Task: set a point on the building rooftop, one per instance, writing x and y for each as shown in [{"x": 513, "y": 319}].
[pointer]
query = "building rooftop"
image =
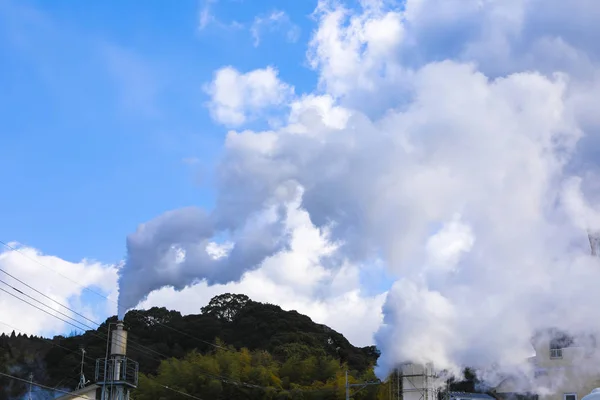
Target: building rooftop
[
  {"x": 81, "y": 393},
  {"x": 464, "y": 395}
]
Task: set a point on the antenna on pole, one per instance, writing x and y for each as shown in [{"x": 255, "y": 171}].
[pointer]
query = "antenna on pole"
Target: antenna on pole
[
  {"x": 82, "y": 381},
  {"x": 347, "y": 387}
]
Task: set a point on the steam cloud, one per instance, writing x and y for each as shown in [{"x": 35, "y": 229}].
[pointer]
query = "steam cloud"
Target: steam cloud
[{"x": 457, "y": 140}]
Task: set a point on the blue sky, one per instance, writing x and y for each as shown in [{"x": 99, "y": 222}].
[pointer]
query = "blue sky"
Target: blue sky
[{"x": 103, "y": 109}]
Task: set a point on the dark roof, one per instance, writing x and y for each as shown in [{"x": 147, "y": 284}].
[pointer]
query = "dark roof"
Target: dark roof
[{"x": 464, "y": 395}]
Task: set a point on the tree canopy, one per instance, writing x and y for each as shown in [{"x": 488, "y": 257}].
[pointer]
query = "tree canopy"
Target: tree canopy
[{"x": 227, "y": 373}]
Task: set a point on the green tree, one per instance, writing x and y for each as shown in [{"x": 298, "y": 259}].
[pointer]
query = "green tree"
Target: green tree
[
  {"x": 226, "y": 306},
  {"x": 243, "y": 374}
]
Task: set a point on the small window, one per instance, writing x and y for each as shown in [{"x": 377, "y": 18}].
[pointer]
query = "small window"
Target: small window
[
  {"x": 557, "y": 353},
  {"x": 570, "y": 396},
  {"x": 559, "y": 342}
]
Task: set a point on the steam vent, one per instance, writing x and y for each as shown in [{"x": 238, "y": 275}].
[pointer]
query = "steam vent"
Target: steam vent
[{"x": 117, "y": 374}]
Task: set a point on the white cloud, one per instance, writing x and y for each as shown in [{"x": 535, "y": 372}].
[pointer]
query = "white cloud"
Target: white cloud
[
  {"x": 276, "y": 21},
  {"x": 354, "y": 53},
  {"x": 322, "y": 107},
  {"x": 205, "y": 16},
  {"x": 49, "y": 278},
  {"x": 217, "y": 250},
  {"x": 237, "y": 97}
]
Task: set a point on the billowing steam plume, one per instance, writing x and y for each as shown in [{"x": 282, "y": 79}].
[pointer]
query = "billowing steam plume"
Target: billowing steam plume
[{"x": 454, "y": 139}]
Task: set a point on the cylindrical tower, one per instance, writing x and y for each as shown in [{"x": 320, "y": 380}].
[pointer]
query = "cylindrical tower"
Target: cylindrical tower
[
  {"x": 118, "y": 346},
  {"x": 117, "y": 374}
]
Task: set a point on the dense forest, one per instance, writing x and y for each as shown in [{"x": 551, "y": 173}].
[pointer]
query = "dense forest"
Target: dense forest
[{"x": 235, "y": 348}]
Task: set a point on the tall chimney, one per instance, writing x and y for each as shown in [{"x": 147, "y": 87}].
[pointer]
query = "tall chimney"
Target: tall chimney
[
  {"x": 118, "y": 345},
  {"x": 116, "y": 374}
]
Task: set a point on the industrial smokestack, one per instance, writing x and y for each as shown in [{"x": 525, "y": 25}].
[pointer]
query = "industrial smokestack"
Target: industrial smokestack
[{"x": 118, "y": 345}]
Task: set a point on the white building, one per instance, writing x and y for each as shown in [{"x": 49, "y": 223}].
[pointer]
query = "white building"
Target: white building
[
  {"x": 565, "y": 368},
  {"x": 91, "y": 392}
]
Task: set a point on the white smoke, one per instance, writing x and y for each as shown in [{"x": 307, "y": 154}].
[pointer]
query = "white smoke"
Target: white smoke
[{"x": 456, "y": 140}]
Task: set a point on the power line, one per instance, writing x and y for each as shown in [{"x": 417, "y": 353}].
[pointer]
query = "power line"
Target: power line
[
  {"x": 134, "y": 344},
  {"x": 16, "y": 378},
  {"x": 91, "y": 330},
  {"x": 139, "y": 346},
  {"x": 92, "y": 291},
  {"x": 41, "y": 309},
  {"x": 53, "y": 270},
  {"x": 51, "y": 342},
  {"x": 42, "y": 303},
  {"x": 177, "y": 391},
  {"x": 76, "y": 395},
  {"x": 48, "y": 297},
  {"x": 218, "y": 377}
]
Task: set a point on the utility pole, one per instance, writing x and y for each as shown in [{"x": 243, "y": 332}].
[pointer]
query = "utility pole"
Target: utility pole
[
  {"x": 30, "y": 385},
  {"x": 347, "y": 387},
  {"x": 361, "y": 385}
]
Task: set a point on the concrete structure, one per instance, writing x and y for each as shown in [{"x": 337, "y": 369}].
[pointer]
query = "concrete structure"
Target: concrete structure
[
  {"x": 91, "y": 392},
  {"x": 415, "y": 382}
]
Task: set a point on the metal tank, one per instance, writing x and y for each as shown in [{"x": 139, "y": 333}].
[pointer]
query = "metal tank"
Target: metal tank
[{"x": 118, "y": 346}]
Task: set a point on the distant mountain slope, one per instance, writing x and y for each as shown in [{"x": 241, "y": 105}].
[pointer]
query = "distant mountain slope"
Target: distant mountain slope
[{"x": 159, "y": 333}]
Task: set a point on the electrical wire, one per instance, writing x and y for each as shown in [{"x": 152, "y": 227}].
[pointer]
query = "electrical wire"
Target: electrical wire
[
  {"x": 177, "y": 391},
  {"x": 52, "y": 269},
  {"x": 51, "y": 342},
  {"x": 94, "y": 292},
  {"x": 217, "y": 377},
  {"x": 62, "y": 305},
  {"x": 39, "y": 301},
  {"x": 41, "y": 309},
  {"x": 16, "y": 378},
  {"x": 48, "y": 297},
  {"x": 133, "y": 344},
  {"x": 91, "y": 330}
]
